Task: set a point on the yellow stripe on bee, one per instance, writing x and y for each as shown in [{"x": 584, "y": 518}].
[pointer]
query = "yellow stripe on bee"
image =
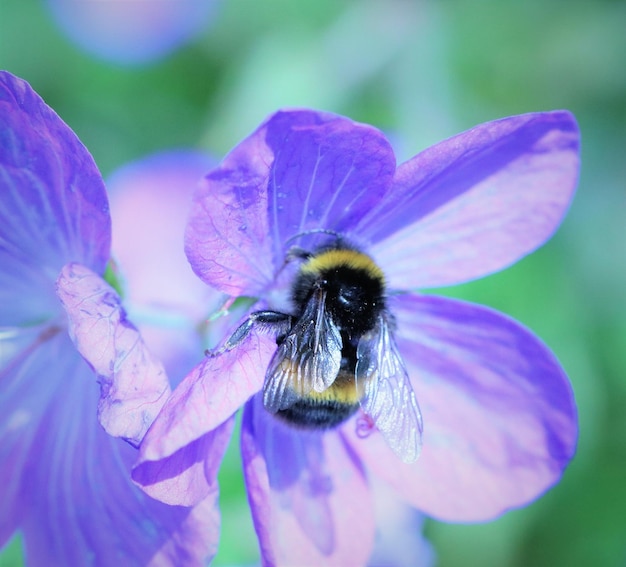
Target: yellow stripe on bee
[
  {"x": 331, "y": 259},
  {"x": 343, "y": 390}
]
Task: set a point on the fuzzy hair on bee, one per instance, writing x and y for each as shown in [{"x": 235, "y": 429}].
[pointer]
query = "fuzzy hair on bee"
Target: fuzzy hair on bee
[{"x": 336, "y": 352}]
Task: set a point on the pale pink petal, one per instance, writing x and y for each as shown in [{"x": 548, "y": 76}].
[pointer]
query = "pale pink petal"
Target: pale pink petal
[
  {"x": 476, "y": 203},
  {"x": 309, "y": 498},
  {"x": 133, "y": 384},
  {"x": 188, "y": 476},
  {"x": 214, "y": 390},
  {"x": 500, "y": 422},
  {"x": 182, "y": 451}
]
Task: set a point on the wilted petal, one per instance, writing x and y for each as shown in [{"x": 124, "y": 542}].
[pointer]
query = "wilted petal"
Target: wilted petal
[
  {"x": 131, "y": 31},
  {"x": 500, "y": 422},
  {"x": 71, "y": 480},
  {"x": 307, "y": 491},
  {"x": 476, "y": 203},
  {"x": 207, "y": 397},
  {"x": 133, "y": 383},
  {"x": 54, "y": 207}
]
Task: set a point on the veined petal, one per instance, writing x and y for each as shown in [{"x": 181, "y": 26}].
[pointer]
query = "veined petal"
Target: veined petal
[
  {"x": 207, "y": 397},
  {"x": 72, "y": 481},
  {"x": 53, "y": 209},
  {"x": 181, "y": 454},
  {"x": 227, "y": 237},
  {"x": 307, "y": 491},
  {"x": 24, "y": 398},
  {"x": 476, "y": 203},
  {"x": 300, "y": 171},
  {"x": 500, "y": 422},
  {"x": 327, "y": 173},
  {"x": 133, "y": 383}
]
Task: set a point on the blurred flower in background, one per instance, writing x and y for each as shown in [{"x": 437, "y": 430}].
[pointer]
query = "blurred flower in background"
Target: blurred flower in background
[
  {"x": 131, "y": 32},
  {"x": 150, "y": 200},
  {"x": 65, "y": 482}
]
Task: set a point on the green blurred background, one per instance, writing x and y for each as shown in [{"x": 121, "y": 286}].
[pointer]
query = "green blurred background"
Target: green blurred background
[{"x": 421, "y": 71}]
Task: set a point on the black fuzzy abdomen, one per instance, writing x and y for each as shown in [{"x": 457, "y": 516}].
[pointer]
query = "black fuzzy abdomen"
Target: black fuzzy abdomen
[
  {"x": 327, "y": 409},
  {"x": 317, "y": 414}
]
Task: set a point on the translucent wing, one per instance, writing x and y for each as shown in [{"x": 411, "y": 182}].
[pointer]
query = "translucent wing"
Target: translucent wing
[
  {"x": 308, "y": 359},
  {"x": 388, "y": 397}
]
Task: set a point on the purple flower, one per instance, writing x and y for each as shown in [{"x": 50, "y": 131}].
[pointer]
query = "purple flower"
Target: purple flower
[
  {"x": 499, "y": 418},
  {"x": 65, "y": 482}
]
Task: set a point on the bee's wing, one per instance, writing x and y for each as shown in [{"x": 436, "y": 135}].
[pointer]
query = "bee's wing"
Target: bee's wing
[
  {"x": 388, "y": 397},
  {"x": 307, "y": 359}
]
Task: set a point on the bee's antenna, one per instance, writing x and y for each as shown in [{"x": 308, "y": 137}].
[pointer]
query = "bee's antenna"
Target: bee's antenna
[{"x": 314, "y": 231}]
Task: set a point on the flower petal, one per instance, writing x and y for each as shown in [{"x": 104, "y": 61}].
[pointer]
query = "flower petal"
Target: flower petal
[
  {"x": 307, "y": 491},
  {"x": 500, "y": 421},
  {"x": 476, "y": 203},
  {"x": 327, "y": 173},
  {"x": 226, "y": 240},
  {"x": 23, "y": 401},
  {"x": 181, "y": 454},
  {"x": 400, "y": 541},
  {"x": 188, "y": 476},
  {"x": 207, "y": 397},
  {"x": 300, "y": 171},
  {"x": 71, "y": 481},
  {"x": 53, "y": 204},
  {"x": 133, "y": 383}
]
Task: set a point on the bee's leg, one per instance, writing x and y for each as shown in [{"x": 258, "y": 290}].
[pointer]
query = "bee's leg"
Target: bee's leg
[{"x": 278, "y": 322}]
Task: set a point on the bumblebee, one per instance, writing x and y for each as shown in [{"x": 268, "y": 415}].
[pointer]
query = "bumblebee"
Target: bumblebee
[{"x": 336, "y": 351}]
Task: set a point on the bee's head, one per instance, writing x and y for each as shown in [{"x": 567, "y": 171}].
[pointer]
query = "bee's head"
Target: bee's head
[{"x": 353, "y": 283}]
